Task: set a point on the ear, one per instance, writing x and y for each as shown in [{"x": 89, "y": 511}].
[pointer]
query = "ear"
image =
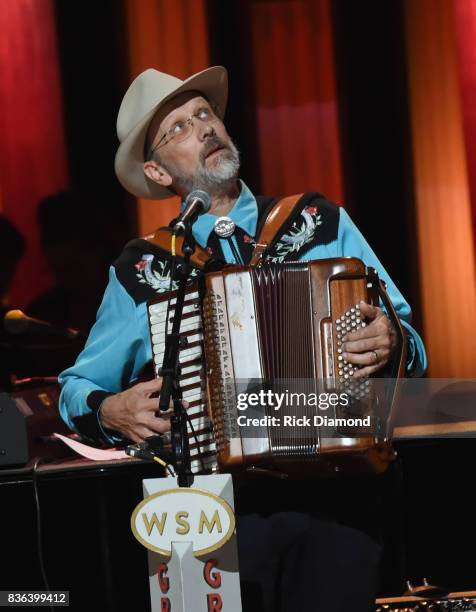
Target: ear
[{"x": 157, "y": 173}]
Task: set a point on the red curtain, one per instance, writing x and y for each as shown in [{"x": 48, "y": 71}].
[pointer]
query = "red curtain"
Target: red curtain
[
  {"x": 171, "y": 36},
  {"x": 296, "y": 97},
  {"x": 442, "y": 193},
  {"x": 32, "y": 147},
  {"x": 465, "y": 24}
]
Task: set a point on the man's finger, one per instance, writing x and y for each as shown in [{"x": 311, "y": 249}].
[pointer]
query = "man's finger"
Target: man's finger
[
  {"x": 367, "y": 371},
  {"x": 139, "y": 433},
  {"x": 150, "y": 386},
  {"x": 149, "y": 431},
  {"x": 185, "y": 404},
  {"x": 377, "y": 327},
  {"x": 371, "y": 331},
  {"x": 366, "y": 344},
  {"x": 152, "y": 405},
  {"x": 158, "y": 424},
  {"x": 367, "y": 358},
  {"x": 368, "y": 311}
]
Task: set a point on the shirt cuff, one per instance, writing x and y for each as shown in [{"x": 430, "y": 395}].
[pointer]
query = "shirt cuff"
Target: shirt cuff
[
  {"x": 90, "y": 426},
  {"x": 412, "y": 357}
]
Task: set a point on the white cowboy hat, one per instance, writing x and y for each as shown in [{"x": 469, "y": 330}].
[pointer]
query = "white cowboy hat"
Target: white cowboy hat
[{"x": 148, "y": 92}]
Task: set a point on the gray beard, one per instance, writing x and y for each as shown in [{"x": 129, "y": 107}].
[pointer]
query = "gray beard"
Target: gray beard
[{"x": 211, "y": 180}]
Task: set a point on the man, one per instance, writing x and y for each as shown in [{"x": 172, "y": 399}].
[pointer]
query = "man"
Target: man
[{"x": 173, "y": 140}]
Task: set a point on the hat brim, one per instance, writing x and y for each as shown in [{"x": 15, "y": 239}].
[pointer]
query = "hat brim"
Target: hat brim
[{"x": 129, "y": 162}]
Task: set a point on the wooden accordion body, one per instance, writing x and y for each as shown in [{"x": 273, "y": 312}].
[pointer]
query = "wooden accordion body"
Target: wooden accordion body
[{"x": 268, "y": 326}]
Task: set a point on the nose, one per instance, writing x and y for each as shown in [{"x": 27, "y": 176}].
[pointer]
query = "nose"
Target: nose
[{"x": 206, "y": 130}]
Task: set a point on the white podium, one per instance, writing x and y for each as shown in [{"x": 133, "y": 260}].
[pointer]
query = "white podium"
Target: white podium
[{"x": 191, "y": 541}]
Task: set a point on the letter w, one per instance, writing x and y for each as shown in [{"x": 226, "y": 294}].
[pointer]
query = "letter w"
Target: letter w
[{"x": 154, "y": 522}]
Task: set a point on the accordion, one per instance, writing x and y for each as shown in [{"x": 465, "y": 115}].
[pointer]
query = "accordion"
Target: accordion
[{"x": 261, "y": 334}]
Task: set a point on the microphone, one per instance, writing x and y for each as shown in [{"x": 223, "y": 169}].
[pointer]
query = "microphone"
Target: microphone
[
  {"x": 17, "y": 322},
  {"x": 196, "y": 203}
]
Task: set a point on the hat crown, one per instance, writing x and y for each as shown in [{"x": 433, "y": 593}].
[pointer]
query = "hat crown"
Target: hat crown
[{"x": 143, "y": 95}]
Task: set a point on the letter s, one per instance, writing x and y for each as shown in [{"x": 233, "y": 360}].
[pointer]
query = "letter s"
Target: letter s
[
  {"x": 180, "y": 520},
  {"x": 344, "y": 399}
]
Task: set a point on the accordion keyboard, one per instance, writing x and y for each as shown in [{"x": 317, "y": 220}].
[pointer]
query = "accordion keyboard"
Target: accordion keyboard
[{"x": 192, "y": 379}]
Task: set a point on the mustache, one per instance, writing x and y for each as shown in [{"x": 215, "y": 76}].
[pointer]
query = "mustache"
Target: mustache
[{"x": 212, "y": 143}]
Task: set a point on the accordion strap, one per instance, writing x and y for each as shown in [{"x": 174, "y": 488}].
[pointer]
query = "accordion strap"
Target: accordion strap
[
  {"x": 162, "y": 238},
  {"x": 275, "y": 220}
]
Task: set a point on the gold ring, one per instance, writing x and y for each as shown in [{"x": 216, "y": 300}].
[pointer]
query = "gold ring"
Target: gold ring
[{"x": 376, "y": 356}]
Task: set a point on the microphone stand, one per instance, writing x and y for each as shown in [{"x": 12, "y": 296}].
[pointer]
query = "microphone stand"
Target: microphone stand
[{"x": 171, "y": 370}]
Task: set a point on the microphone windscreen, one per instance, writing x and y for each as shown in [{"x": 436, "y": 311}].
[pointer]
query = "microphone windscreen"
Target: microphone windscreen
[
  {"x": 203, "y": 196},
  {"x": 15, "y": 322}
]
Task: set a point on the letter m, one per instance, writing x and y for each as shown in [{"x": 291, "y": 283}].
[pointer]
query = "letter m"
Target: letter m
[{"x": 204, "y": 522}]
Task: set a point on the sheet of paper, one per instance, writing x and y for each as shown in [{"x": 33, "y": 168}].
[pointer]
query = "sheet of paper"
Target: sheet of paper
[{"x": 95, "y": 454}]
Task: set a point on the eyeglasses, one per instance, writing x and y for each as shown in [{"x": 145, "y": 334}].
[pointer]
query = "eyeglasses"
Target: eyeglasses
[{"x": 181, "y": 130}]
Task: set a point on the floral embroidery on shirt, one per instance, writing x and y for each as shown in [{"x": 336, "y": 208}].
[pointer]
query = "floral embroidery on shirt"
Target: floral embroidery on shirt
[
  {"x": 140, "y": 265},
  {"x": 159, "y": 279},
  {"x": 302, "y": 232}
]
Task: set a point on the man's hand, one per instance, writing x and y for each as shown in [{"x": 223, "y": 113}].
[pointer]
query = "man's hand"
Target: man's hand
[
  {"x": 370, "y": 346},
  {"x": 133, "y": 412}
]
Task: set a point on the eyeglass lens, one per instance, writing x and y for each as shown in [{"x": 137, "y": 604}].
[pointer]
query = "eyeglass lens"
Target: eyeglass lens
[{"x": 180, "y": 131}]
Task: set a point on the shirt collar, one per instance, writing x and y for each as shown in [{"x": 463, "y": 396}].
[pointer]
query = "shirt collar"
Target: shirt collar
[{"x": 244, "y": 213}]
